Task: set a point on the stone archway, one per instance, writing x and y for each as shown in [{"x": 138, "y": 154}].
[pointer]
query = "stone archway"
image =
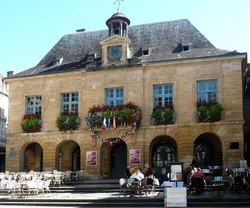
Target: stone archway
[
  {"x": 163, "y": 149},
  {"x": 31, "y": 157},
  {"x": 208, "y": 150},
  {"x": 68, "y": 156},
  {"x": 113, "y": 159}
]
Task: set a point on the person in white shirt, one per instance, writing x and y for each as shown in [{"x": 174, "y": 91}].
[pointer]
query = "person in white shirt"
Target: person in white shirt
[{"x": 137, "y": 175}]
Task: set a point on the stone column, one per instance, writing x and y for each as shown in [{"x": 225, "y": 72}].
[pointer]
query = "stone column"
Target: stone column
[
  {"x": 126, "y": 32},
  {"x": 112, "y": 29},
  {"x": 49, "y": 156},
  {"x": 121, "y": 28}
]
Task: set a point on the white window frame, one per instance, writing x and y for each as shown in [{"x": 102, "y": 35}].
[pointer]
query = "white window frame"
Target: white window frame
[
  {"x": 114, "y": 96},
  {"x": 73, "y": 105},
  {"x": 36, "y": 107},
  {"x": 207, "y": 91},
  {"x": 159, "y": 92}
]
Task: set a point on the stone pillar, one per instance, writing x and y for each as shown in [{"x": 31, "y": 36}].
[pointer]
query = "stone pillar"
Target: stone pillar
[
  {"x": 49, "y": 156},
  {"x": 185, "y": 146},
  {"x": 112, "y": 29},
  {"x": 126, "y": 32},
  {"x": 121, "y": 28}
]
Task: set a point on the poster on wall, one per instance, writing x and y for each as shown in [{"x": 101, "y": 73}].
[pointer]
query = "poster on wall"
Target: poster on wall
[
  {"x": 135, "y": 156},
  {"x": 91, "y": 158}
]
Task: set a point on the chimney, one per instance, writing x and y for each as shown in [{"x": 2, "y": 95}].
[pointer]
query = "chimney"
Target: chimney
[
  {"x": 81, "y": 30},
  {"x": 10, "y": 73}
]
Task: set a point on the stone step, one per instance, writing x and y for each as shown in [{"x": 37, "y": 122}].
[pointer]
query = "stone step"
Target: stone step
[{"x": 127, "y": 202}]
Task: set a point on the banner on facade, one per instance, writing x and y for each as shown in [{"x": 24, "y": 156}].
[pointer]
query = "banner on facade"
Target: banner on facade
[
  {"x": 12, "y": 152},
  {"x": 135, "y": 156},
  {"x": 91, "y": 158}
]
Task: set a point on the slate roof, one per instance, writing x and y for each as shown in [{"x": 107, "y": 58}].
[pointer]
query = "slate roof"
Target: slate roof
[{"x": 163, "y": 39}]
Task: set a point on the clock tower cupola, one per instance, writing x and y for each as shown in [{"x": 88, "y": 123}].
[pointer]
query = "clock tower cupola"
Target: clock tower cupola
[
  {"x": 118, "y": 23},
  {"x": 115, "y": 48}
]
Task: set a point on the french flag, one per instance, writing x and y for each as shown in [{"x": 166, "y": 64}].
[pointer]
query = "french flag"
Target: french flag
[
  {"x": 108, "y": 123},
  {"x": 104, "y": 125},
  {"x": 114, "y": 124}
]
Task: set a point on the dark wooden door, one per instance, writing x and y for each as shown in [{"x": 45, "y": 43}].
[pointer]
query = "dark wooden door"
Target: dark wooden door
[{"x": 118, "y": 159}]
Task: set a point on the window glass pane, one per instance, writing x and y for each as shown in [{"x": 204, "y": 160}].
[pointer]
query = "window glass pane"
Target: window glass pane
[
  {"x": 114, "y": 96},
  {"x": 212, "y": 96},
  {"x": 33, "y": 105},
  {"x": 162, "y": 94},
  {"x": 207, "y": 91},
  {"x": 69, "y": 102}
]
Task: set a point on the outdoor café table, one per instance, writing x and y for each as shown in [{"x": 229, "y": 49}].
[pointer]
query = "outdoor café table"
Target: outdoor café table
[
  {"x": 24, "y": 183},
  {"x": 74, "y": 176},
  {"x": 134, "y": 186},
  {"x": 218, "y": 185}
]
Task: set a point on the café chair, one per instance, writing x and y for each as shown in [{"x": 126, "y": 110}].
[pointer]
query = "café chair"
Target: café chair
[
  {"x": 123, "y": 186},
  {"x": 198, "y": 185},
  {"x": 238, "y": 184}
]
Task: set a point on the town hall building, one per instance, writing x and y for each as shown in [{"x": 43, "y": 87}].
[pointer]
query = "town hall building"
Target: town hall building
[{"x": 152, "y": 93}]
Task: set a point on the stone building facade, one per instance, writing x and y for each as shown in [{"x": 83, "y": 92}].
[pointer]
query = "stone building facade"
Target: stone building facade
[
  {"x": 166, "y": 62},
  {"x": 4, "y": 98}
]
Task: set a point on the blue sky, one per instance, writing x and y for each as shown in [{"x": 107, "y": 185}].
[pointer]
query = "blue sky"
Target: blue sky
[{"x": 30, "y": 28}]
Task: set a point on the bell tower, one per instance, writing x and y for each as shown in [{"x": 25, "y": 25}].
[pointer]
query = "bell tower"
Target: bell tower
[
  {"x": 118, "y": 23},
  {"x": 115, "y": 48}
]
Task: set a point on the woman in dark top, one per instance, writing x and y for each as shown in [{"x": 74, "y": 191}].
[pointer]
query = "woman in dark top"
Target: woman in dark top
[
  {"x": 148, "y": 172},
  {"x": 164, "y": 176},
  {"x": 127, "y": 172}
]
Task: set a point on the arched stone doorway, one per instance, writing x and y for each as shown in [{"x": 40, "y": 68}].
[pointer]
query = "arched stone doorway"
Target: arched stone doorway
[
  {"x": 32, "y": 157},
  {"x": 208, "y": 150},
  {"x": 113, "y": 159},
  {"x": 68, "y": 156},
  {"x": 163, "y": 150}
]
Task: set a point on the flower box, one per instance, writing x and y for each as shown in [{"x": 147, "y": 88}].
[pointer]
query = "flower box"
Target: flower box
[
  {"x": 68, "y": 121},
  {"x": 163, "y": 115},
  {"x": 208, "y": 112},
  {"x": 31, "y": 123},
  {"x": 115, "y": 116}
]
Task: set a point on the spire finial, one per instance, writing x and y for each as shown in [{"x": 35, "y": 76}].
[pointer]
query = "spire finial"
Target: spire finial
[{"x": 118, "y": 2}]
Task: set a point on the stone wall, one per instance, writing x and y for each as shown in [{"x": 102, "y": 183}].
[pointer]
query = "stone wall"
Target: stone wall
[{"x": 138, "y": 88}]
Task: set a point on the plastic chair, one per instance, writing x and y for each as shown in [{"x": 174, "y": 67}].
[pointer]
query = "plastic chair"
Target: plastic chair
[
  {"x": 238, "y": 184},
  {"x": 198, "y": 185},
  {"x": 123, "y": 186}
]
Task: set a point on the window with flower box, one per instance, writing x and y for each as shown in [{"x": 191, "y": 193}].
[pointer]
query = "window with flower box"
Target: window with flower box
[
  {"x": 69, "y": 102},
  {"x": 163, "y": 95},
  {"x": 207, "y": 91},
  {"x": 33, "y": 105},
  {"x": 114, "y": 96}
]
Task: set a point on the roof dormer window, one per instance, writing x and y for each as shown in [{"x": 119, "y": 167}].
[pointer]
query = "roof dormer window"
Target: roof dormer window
[
  {"x": 185, "y": 48},
  {"x": 58, "y": 61},
  {"x": 90, "y": 59},
  {"x": 145, "y": 52}
]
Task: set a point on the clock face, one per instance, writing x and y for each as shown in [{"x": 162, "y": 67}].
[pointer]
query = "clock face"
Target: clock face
[{"x": 114, "y": 52}]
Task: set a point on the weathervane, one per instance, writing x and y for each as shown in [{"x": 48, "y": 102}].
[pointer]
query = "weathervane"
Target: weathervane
[{"x": 119, "y": 3}]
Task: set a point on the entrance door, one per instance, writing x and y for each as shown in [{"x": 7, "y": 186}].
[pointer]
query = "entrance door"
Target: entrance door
[
  {"x": 76, "y": 155},
  {"x": 118, "y": 159}
]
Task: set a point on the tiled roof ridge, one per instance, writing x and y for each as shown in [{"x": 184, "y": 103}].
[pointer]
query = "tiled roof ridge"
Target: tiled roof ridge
[{"x": 136, "y": 25}]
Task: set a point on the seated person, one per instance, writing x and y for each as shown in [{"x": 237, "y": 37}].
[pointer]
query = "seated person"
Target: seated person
[
  {"x": 148, "y": 172},
  {"x": 197, "y": 179},
  {"x": 198, "y": 173},
  {"x": 127, "y": 172},
  {"x": 132, "y": 170},
  {"x": 137, "y": 175},
  {"x": 164, "y": 176}
]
